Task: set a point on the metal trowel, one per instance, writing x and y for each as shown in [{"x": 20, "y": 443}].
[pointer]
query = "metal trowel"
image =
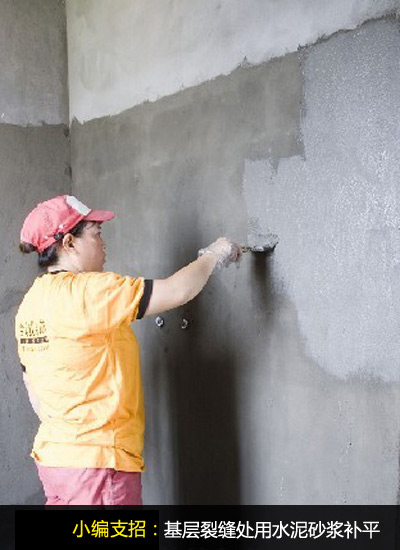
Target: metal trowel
[{"x": 268, "y": 245}]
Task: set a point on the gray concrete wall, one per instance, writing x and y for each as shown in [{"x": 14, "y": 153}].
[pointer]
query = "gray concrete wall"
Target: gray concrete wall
[
  {"x": 34, "y": 166},
  {"x": 284, "y": 389},
  {"x": 33, "y": 82}
]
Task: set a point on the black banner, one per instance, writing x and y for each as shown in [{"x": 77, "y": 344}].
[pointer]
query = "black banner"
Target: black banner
[{"x": 201, "y": 527}]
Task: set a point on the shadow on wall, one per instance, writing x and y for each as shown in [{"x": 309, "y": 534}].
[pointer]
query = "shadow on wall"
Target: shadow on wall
[
  {"x": 204, "y": 367},
  {"x": 204, "y": 386}
]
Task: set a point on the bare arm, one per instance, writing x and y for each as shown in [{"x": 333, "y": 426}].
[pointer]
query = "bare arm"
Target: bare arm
[
  {"x": 181, "y": 287},
  {"x": 187, "y": 283}
]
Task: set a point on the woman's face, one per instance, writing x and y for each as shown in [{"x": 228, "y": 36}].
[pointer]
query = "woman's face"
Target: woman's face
[{"x": 90, "y": 248}]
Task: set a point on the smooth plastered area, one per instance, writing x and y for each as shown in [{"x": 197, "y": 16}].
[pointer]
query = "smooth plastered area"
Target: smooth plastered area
[
  {"x": 336, "y": 206},
  {"x": 122, "y": 55}
]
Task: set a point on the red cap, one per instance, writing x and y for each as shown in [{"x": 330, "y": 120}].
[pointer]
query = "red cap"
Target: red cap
[{"x": 57, "y": 215}]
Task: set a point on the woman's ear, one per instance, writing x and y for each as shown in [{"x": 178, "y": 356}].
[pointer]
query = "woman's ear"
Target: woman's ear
[{"x": 68, "y": 241}]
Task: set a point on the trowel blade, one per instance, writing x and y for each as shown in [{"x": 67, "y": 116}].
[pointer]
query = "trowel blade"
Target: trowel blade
[{"x": 269, "y": 243}]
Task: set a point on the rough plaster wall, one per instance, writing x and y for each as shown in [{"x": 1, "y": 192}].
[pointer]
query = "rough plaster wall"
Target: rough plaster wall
[
  {"x": 34, "y": 166},
  {"x": 247, "y": 406},
  {"x": 33, "y": 80},
  {"x": 122, "y": 53}
]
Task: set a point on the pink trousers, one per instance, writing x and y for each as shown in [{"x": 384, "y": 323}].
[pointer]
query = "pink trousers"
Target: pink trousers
[{"x": 95, "y": 486}]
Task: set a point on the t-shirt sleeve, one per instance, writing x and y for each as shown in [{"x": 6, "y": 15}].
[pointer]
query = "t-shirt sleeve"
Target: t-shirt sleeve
[
  {"x": 144, "y": 302},
  {"x": 111, "y": 300}
]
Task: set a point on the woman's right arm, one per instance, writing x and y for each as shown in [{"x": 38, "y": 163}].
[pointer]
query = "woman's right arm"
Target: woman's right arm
[{"x": 187, "y": 283}]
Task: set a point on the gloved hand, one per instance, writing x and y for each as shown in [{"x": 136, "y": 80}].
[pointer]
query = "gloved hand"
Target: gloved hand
[{"x": 224, "y": 250}]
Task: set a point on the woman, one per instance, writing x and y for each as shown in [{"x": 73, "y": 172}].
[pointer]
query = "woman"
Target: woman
[{"x": 80, "y": 357}]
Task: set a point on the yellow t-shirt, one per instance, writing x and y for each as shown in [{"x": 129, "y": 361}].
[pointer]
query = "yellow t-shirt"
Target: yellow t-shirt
[{"x": 82, "y": 361}]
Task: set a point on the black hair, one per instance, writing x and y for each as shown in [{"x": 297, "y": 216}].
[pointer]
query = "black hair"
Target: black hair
[{"x": 49, "y": 256}]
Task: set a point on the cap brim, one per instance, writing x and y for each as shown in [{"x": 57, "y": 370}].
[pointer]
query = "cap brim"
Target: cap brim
[{"x": 99, "y": 216}]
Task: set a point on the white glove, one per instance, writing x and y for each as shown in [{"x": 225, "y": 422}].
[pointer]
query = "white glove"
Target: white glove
[{"x": 224, "y": 250}]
